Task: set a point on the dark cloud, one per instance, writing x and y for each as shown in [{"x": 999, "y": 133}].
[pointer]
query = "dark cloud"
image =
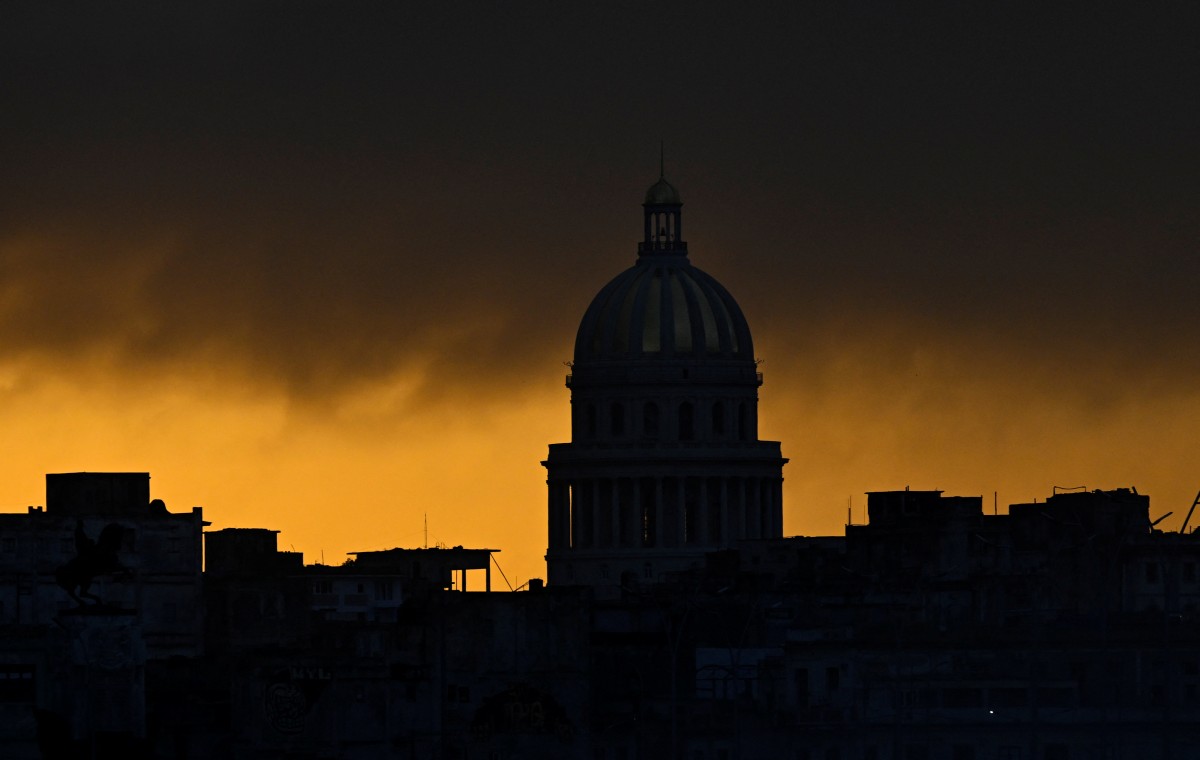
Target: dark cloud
[{"x": 317, "y": 196}]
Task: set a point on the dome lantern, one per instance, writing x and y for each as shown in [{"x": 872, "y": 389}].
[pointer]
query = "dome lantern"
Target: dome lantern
[{"x": 662, "y": 209}]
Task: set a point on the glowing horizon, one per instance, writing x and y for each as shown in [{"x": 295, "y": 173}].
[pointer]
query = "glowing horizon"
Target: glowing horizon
[{"x": 321, "y": 277}]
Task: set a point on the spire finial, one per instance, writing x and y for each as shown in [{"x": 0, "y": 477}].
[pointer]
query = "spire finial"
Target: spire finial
[{"x": 661, "y": 161}]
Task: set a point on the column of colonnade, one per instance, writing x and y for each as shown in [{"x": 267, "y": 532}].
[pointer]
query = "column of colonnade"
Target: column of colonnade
[{"x": 614, "y": 513}]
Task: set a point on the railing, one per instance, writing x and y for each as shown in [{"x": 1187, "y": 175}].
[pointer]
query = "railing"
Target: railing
[
  {"x": 650, "y": 372},
  {"x": 658, "y": 246}
]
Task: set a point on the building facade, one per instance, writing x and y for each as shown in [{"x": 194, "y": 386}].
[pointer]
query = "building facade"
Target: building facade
[
  {"x": 96, "y": 588},
  {"x": 158, "y": 555}
]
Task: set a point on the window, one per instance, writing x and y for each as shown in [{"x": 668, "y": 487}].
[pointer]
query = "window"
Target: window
[
  {"x": 833, "y": 678},
  {"x": 1151, "y": 572},
  {"x": 650, "y": 419},
  {"x": 384, "y": 591},
  {"x": 687, "y": 430},
  {"x": 1189, "y": 572},
  {"x": 322, "y": 587},
  {"x": 718, "y": 419},
  {"x": 618, "y": 419},
  {"x": 589, "y": 413},
  {"x": 743, "y": 426},
  {"x": 800, "y": 680}
]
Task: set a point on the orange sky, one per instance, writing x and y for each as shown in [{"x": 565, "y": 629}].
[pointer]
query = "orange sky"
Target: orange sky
[
  {"x": 362, "y": 472},
  {"x": 321, "y": 276}
]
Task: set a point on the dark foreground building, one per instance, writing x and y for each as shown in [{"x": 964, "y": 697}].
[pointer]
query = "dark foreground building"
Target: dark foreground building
[
  {"x": 1063, "y": 629},
  {"x": 678, "y": 621}
]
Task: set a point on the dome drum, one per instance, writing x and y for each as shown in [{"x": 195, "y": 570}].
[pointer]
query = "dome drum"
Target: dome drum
[{"x": 664, "y": 419}]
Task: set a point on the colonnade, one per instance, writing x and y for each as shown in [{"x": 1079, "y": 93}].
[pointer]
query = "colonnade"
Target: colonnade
[{"x": 663, "y": 511}]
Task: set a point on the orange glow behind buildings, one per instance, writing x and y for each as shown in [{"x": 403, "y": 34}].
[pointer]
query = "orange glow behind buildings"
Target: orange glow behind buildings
[
  {"x": 351, "y": 477},
  {"x": 322, "y": 276}
]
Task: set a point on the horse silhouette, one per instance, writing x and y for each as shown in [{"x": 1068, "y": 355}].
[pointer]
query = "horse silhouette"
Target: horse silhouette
[{"x": 92, "y": 558}]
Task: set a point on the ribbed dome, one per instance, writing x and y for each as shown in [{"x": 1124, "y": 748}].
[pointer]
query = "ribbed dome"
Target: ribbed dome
[{"x": 663, "y": 307}]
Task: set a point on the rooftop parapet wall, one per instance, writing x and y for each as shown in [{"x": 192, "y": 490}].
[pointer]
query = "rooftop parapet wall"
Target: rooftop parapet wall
[
  {"x": 115, "y": 494},
  {"x": 896, "y": 507}
]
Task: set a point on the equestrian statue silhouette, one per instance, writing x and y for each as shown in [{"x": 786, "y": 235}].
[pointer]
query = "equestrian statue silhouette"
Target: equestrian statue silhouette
[{"x": 92, "y": 559}]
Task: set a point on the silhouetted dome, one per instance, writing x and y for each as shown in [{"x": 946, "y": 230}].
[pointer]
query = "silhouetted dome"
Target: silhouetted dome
[
  {"x": 663, "y": 307},
  {"x": 662, "y": 193}
]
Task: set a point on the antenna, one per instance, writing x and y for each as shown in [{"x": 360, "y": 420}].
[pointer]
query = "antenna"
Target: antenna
[
  {"x": 1188, "y": 519},
  {"x": 426, "y": 530}
]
